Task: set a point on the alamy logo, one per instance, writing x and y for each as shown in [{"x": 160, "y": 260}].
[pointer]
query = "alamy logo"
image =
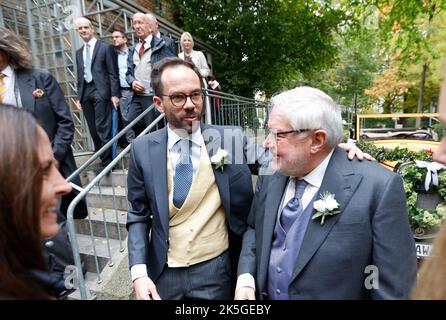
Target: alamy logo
[
  {"x": 372, "y": 280},
  {"x": 72, "y": 280}
]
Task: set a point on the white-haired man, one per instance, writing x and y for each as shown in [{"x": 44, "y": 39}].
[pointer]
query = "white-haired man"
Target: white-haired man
[{"x": 323, "y": 227}]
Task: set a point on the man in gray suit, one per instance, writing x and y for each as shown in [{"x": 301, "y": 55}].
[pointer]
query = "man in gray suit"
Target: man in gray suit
[
  {"x": 323, "y": 227},
  {"x": 194, "y": 211}
]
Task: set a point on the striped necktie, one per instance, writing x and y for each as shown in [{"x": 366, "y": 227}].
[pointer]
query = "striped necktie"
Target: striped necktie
[{"x": 2, "y": 88}]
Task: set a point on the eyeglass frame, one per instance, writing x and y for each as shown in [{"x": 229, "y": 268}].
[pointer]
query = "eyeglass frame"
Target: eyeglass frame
[
  {"x": 185, "y": 97},
  {"x": 281, "y": 134}
]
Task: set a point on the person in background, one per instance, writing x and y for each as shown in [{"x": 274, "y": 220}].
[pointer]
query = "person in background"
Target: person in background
[
  {"x": 431, "y": 281},
  {"x": 146, "y": 52},
  {"x": 122, "y": 51},
  {"x": 191, "y": 55},
  {"x": 38, "y": 91},
  {"x": 30, "y": 187},
  {"x": 97, "y": 86},
  {"x": 170, "y": 43},
  {"x": 214, "y": 85}
]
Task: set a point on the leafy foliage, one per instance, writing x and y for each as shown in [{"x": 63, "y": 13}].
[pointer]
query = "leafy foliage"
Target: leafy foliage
[
  {"x": 263, "y": 44},
  {"x": 414, "y": 177},
  {"x": 397, "y": 154}
]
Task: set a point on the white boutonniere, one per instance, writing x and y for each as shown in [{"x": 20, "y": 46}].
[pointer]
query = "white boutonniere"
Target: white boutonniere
[
  {"x": 326, "y": 206},
  {"x": 219, "y": 159},
  {"x": 38, "y": 93}
]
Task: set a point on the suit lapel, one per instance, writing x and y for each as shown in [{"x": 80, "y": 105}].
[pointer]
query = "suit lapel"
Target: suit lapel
[
  {"x": 213, "y": 143},
  {"x": 26, "y": 84},
  {"x": 95, "y": 52},
  {"x": 341, "y": 181},
  {"x": 273, "y": 198},
  {"x": 158, "y": 160}
]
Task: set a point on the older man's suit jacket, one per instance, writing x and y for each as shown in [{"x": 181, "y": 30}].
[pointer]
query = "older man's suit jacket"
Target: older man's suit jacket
[
  {"x": 372, "y": 229},
  {"x": 148, "y": 194},
  {"x": 55, "y": 118},
  {"x": 104, "y": 68}
]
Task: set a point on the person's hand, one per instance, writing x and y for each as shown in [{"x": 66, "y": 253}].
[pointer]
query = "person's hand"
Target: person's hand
[
  {"x": 145, "y": 289},
  {"x": 137, "y": 86},
  {"x": 355, "y": 151},
  {"x": 440, "y": 153},
  {"x": 78, "y": 105},
  {"x": 245, "y": 293},
  {"x": 115, "y": 102}
]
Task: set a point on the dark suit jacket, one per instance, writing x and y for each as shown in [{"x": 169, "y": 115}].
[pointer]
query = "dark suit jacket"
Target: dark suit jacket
[
  {"x": 104, "y": 68},
  {"x": 148, "y": 195},
  {"x": 55, "y": 118},
  {"x": 160, "y": 50},
  {"x": 371, "y": 229}
]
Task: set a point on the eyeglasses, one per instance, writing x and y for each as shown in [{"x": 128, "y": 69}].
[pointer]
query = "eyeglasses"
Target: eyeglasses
[
  {"x": 282, "y": 134},
  {"x": 179, "y": 99}
]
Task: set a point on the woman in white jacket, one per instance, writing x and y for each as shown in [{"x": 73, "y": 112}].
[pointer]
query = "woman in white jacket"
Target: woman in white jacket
[{"x": 189, "y": 54}]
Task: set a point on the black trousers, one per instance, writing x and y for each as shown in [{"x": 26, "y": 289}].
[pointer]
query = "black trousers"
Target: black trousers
[
  {"x": 138, "y": 105},
  {"x": 98, "y": 113}
]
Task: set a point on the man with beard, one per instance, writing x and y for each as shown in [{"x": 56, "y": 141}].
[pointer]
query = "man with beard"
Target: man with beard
[
  {"x": 195, "y": 211},
  {"x": 190, "y": 201}
]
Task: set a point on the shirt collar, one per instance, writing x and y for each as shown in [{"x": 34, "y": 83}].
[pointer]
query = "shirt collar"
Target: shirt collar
[
  {"x": 8, "y": 71},
  {"x": 122, "y": 53},
  {"x": 173, "y": 138},
  {"x": 316, "y": 176},
  {"x": 148, "y": 39},
  {"x": 92, "y": 42}
]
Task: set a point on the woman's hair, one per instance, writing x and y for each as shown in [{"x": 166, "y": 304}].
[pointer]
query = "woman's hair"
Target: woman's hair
[
  {"x": 16, "y": 49},
  {"x": 21, "y": 180},
  {"x": 431, "y": 281},
  {"x": 186, "y": 34}
]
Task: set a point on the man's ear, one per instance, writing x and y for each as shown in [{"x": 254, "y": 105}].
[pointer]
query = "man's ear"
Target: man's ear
[
  {"x": 319, "y": 140},
  {"x": 159, "y": 104}
]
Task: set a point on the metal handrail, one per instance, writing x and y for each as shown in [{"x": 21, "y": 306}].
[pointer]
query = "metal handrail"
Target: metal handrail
[
  {"x": 82, "y": 194},
  {"x": 236, "y": 104}
]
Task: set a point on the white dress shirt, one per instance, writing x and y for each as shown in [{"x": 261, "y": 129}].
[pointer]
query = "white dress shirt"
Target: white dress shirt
[
  {"x": 140, "y": 270},
  {"x": 314, "y": 180},
  {"x": 92, "y": 44}
]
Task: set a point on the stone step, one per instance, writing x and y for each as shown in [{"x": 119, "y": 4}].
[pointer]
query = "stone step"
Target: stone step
[
  {"x": 87, "y": 251},
  {"x": 117, "y": 178},
  {"x": 98, "y": 226},
  {"x": 90, "y": 279},
  {"x": 103, "y": 198}
]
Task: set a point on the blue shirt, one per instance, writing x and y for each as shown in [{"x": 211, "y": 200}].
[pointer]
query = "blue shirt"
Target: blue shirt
[{"x": 122, "y": 65}]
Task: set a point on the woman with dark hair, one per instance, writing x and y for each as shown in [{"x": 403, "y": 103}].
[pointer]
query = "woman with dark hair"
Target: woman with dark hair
[{"x": 30, "y": 188}]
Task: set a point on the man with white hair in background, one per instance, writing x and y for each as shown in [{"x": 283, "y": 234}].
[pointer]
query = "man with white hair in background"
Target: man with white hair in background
[
  {"x": 144, "y": 54},
  {"x": 323, "y": 227}
]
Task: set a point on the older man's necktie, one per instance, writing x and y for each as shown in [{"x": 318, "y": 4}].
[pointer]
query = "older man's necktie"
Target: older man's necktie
[
  {"x": 2, "y": 88},
  {"x": 184, "y": 172},
  {"x": 141, "y": 48},
  {"x": 294, "y": 207},
  {"x": 88, "y": 76}
]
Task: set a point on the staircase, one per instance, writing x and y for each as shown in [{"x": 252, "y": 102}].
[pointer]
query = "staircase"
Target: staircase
[{"x": 102, "y": 238}]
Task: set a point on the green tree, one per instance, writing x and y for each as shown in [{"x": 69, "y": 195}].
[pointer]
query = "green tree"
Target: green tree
[
  {"x": 263, "y": 43},
  {"x": 409, "y": 28}
]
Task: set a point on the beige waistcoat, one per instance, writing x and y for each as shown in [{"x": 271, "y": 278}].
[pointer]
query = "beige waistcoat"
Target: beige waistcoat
[{"x": 197, "y": 231}]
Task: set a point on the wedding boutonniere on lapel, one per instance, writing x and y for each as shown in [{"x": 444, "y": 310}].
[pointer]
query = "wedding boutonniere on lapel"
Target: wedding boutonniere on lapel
[
  {"x": 38, "y": 93},
  {"x": 219, "y": 159},
  {"x": 326, "y": 206}
]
